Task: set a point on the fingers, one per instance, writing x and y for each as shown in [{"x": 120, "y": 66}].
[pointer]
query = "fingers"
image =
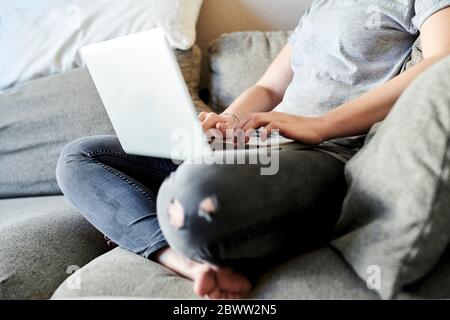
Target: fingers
[
  {"x": 215, "y": 125},
  {"x": 273, "y": 126},
  {"x": 266, "y": 131},
  {"x": 269, "y": 120},
  {"x": 223, "y": 127},
  {"x": 214, "y": 135},
  {"x": 262, "y": 119},
  {"x": 254, "y": 121},
  {"x": 210, "y": 120},
  {"x": 202, "y": 115}
]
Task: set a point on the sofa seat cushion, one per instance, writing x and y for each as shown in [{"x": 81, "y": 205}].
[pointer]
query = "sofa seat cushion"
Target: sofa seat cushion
[
  {"x": 321, "y": 274},
  {"x": 42, "y": 241},
  {"x": 121, "y": 273}
]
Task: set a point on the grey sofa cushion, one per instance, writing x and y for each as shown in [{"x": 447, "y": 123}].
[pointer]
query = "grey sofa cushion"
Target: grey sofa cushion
[
  {"x": 320, "y": 274},
  {"x": 238, "y": 60},
  {"x": 435, "y": 285},
  {"x": 40, "y": 117},
  {"x": 398, "y": 206},
  {"x": 40, "y": 239},
  {"x": 120, "y": 273}
]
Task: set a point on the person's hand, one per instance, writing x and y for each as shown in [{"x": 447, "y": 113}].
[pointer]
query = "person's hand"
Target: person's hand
[
  {"x": 217, "y": 122},
  {"x": 303, "y": 129}
]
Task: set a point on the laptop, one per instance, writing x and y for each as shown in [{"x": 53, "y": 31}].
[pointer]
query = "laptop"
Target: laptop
[{"x": 147, "y": 100}]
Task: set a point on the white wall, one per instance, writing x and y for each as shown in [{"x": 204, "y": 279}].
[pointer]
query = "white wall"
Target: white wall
[{"x": 222, "y": 16}]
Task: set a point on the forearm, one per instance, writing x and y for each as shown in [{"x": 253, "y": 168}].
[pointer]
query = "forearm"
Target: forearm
[
  {"x": 254, "y": 99},
  {"x": 358, "y": 116}
]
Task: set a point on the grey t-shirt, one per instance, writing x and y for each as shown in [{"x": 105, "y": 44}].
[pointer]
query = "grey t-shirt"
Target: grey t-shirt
[{"x": 344, "y": 48}]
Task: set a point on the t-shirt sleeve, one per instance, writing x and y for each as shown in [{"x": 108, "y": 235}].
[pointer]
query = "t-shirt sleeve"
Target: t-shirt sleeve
[
  {"x": 294, "y": 35},
  {"x": 425, "y": 9}
]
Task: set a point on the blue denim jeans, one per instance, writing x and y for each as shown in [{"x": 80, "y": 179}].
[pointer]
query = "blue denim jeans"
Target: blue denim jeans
[
  {"x": 218, "y": 213},
  {"x": 116, "y": 192}
]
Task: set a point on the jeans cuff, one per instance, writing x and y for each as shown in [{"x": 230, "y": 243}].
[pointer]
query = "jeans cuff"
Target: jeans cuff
[{"x": 155, "y": 247}]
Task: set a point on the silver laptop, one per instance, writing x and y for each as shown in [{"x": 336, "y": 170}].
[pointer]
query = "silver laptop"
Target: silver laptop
[{"x": 146, "y": 97}]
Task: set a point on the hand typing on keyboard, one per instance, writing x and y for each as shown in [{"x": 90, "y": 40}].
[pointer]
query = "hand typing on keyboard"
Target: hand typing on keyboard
[{"x": 309, "y": 130}]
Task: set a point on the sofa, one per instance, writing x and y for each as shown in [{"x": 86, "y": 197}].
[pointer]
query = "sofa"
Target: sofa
[{"x": 49, "y": 251}]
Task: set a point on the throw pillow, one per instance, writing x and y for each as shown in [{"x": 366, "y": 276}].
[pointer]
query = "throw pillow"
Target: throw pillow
[{"x": 396, "y": 216}]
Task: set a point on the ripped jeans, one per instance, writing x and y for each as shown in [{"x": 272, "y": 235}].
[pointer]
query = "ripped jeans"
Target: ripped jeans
[{"x": 222, "y": 214}]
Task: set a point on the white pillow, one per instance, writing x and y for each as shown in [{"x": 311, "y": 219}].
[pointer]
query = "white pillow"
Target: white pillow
[{"x": 43, "y": 37}]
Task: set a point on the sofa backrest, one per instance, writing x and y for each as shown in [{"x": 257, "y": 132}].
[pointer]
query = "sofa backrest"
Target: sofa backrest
[
  {"x": 224, "y": 16},
  {"x": 238, "y": 60}
]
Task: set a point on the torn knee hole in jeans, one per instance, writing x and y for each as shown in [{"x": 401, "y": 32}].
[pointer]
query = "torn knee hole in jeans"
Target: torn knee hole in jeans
[
  {"x": 176, "y": 213},
  {"x": 207, "y": 208}
]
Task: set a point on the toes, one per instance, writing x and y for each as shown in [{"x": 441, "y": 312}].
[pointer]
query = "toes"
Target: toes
[
  {"x": 233, "y": 282},
  {"x": 216, "y": 294},
  {"x": 222, "y": 283},
  {"x": 205, "y": 283},
  {"x": 235, "y": 296}
]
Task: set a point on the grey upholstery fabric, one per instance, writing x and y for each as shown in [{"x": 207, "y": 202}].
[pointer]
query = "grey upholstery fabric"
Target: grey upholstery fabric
[
  {"x": 238, "y": 60},
  {"x": 398, "y": 206},
  {"x": 40, "y": 117},
  {"x": 416, "y": 55},
  {"x": 435, "y": 285},
  {"x": 320, "y": 274},
  {"x": 122, "y": 273},
  {"x": 40, "y": 238},
  {"x": 37, "y": 120}
]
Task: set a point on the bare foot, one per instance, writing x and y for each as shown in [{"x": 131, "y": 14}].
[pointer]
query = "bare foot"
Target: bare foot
[{"x": 209, "y": 281}]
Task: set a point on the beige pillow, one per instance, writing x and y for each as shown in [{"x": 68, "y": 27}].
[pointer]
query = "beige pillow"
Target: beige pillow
[{"x": 190, "y": 62}]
